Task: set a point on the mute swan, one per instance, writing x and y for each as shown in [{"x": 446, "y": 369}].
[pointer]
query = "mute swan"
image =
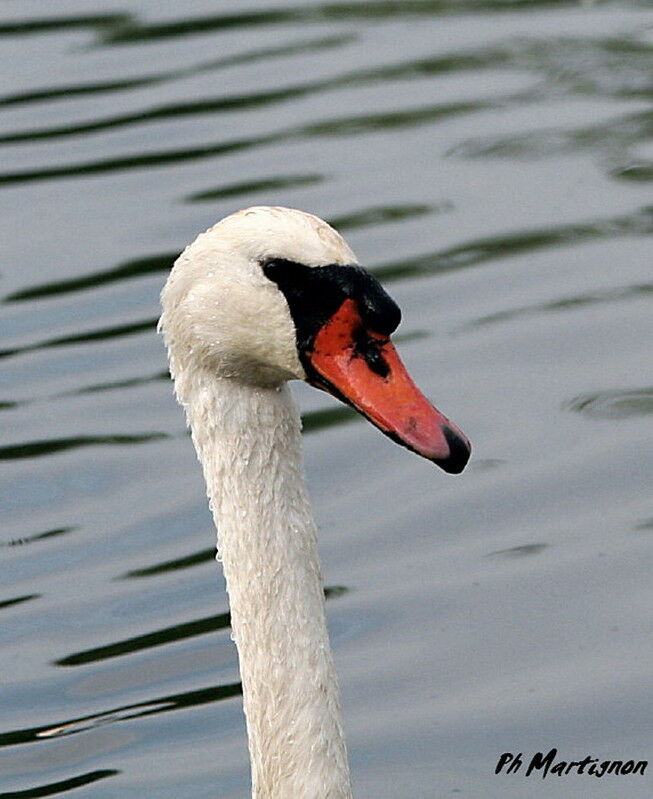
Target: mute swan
[{"x": 265, "y": 296}]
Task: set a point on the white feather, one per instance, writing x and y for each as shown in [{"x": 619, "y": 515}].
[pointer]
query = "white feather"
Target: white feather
[{"x": 231, "y": 345}]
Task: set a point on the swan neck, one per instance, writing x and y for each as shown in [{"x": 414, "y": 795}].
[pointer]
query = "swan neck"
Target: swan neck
[{"x": 249, "y": 443}]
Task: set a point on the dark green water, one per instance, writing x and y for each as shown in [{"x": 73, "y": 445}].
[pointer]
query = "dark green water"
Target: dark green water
[{"x": 492, "y": 163}]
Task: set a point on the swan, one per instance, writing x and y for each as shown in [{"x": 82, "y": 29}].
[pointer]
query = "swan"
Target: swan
[{"x": 265, "y": 296}]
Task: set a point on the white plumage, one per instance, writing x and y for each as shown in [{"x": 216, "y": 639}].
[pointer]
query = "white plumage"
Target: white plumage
[
  {"x": 231, "y": 344},
  {"x": 265, "y": 296}
]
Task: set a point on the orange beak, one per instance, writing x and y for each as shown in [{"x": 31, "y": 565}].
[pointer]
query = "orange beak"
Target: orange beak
[{"x": 362, "y": 368}]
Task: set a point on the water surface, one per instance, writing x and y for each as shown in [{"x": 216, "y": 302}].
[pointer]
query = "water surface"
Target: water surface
[{"x": 491, "y": 162}]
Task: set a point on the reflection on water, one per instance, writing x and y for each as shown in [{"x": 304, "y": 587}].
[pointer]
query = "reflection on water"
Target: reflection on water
[
  {"x": 38, "y": 536},
  {"x": 491, "y": 161},
  {"x": 62, "y": 786},
  {"x": 568, "y": 303},
  {"x": 520, "y": 551},
  {"x": 247, "y": 57},
  {"x": 160, "y": 705},
  {"x": 157, "y": 638},
  {"x": 92, "y": 335},
  {"x": 252, "y": 187},
  {"x": 7, "y": 603},
  {"x": 194, "y": 559},
  {"x": 132, "y": 269},
  {"x": 34, "y": 449},
  {"x": 614, "y": 404},
  {"x": 161, "y": 637}
]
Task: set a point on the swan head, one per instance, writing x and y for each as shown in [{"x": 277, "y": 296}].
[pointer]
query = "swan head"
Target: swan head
[{"x": 272, "y": 294}]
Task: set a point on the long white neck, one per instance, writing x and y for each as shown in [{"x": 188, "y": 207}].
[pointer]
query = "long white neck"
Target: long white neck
[{"x": 248, "y": 440}]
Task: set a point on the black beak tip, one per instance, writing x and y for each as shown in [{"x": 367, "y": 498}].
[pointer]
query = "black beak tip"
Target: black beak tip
[{"x": 459, "y": 452}]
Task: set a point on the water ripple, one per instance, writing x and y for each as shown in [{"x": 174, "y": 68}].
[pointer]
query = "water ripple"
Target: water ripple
[
  {"x": 136, "y": 267},
  {"x": 242, "y": 101},
  {"x": 116, "y": 331},
  {"x": 623, "y": 131},
  {"x": 634, "y": 170},
  {"x": 246, "y": 57},
  {"x": 254, "y": 186},
  {"x": 566, "y": 303},
  {"x": 131, "y": 31},
  {"x": 178, "y": 110},
  {"x": 152, "y": 707},
  {"x": 17, "y": 600},
  {"x": 379, "y": 215},
  {"x": 137, "y": 160},
  {"x": 524, "y": 550},
  {"x": 36, "y": 449},
  {"x": 57, "y": 531},
  {"x": 115, "y": 385},
  {"x": 186, "y": 562},
  {"x": 616, "y": 404},
  {"x": 352, "y": 106},
  {"x": 63, "y": 786},
  {"x": 638, "y": 223},
  {"x": 343, "y": 126},
  {"x": 319, "y": 420},
  {"x": 162, "y": 637},
  {"x": 51, "y": 24}
]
